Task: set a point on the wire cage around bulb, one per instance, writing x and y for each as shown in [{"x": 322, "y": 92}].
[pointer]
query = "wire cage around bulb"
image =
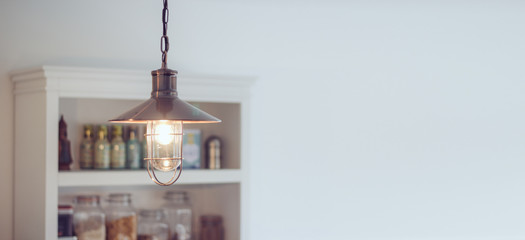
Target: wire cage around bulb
[{"x": 164, "y": 144}]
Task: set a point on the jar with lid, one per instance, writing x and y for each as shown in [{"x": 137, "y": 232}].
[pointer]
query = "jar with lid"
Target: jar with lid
[
  {"x": 153, "y": 225},
  {"x": 211, "y": 228},
  {"x": 179, "y": 213},
  {"x": 89, "y": 218},
  {"x": 121, "y": 218},
  {"x": 65, "y": 220}
]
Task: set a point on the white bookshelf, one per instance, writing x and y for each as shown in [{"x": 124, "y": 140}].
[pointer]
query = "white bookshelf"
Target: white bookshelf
[{"x": 89, "y": 95}]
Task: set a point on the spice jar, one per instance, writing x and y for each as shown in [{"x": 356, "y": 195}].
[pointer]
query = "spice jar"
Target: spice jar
[
  {"x": 121, "y": 218},
  {"x": 65, "y": 220},
  {"x": 89, "y": 219},
  {"x": 211, "y": 228},
  {"x": 179, "y": 213},
  {"x": 153, "y": 225}
]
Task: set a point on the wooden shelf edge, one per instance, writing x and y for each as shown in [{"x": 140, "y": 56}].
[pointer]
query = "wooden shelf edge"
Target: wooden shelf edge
[{"x": 93, "y": 178}]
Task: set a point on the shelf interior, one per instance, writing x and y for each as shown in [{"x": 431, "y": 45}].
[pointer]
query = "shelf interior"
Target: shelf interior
[
  {"x": 221, "y": 199},
  {"x": 80, "y": 111}
]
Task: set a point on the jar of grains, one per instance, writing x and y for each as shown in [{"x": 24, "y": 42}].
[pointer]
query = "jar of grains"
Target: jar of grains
[
  {"x": 88, "y": 219},
  {"x": 121, "y": 218}
]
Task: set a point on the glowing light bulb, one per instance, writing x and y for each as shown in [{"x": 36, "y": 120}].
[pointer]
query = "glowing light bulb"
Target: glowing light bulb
[
  {"x": 163, "y": 133},
  {"x": 164, "y": 144}
]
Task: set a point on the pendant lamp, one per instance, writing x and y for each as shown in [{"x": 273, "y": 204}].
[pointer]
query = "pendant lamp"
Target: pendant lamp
[{"x": 164, "y": 115}]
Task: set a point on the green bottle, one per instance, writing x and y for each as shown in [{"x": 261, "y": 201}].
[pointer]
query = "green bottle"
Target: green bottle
[
  {"x": 87, "y": 148},
  {"x": 143, "y": 163},
  {"x": 133, "y": 149},
  {"x": 102, "y": 149},
  {"x": 118, "y": 148}
]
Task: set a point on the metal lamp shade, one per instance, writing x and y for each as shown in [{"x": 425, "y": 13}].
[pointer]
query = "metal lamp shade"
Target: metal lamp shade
[
  {"x": 167, "y": 108},
  {"x": 164, "y": 104}
]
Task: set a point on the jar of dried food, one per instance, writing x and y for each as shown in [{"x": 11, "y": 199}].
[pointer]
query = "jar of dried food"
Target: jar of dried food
[
  {"x": 121, "y": 218},
  {"x": 179, "y": 213},
  {"x": 153, "y": 225},
  {"x": 89, "y": 218}
]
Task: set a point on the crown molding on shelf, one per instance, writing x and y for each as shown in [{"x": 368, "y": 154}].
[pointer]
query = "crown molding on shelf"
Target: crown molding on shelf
[{"x": 124, "y": 84}]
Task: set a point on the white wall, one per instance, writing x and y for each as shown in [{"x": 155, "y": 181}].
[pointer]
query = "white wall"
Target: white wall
[{"x": 378, "y": 120}]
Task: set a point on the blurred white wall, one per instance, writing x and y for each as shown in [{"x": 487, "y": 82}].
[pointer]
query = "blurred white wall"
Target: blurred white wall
[{"x": 371, "y": 120}]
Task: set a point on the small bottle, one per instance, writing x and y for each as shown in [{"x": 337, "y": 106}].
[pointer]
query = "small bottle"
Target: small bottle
[
  {"x": 121, "y": 218},
  {"x": 179, "y": 212},
  {"x": 133, "y": 150},
  {"x": 118, "y": 148},
  {"x": 213, "y": 153},
  {"x": 144, "y": 143},
  {"x": 87, "y": 148},
  {"x": 153, "y": 225},
  {"x": 89, "y": 218},
  {"x": 102, "y": 149}
]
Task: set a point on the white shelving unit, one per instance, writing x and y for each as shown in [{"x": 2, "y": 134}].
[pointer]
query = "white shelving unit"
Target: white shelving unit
[{"x": 88, "y": 95}]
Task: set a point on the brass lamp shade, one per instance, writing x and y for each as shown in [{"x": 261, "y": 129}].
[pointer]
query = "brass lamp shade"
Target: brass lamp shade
[{"x": 164, "y": 104}]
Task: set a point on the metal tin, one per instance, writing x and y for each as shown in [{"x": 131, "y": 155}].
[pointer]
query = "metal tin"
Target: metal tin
[{"x": 213, "y": 152}]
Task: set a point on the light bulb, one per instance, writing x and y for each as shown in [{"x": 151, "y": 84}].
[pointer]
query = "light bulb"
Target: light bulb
[
  {"x": 164, "y": 139},
  {"x": 164, "y": 133}
]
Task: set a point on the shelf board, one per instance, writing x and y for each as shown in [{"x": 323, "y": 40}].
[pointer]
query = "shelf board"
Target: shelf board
[{"x": 90, "y": 178}]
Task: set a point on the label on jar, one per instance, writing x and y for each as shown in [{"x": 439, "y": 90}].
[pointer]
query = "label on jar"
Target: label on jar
[
  {"x": 118, "y": 155},
  {"x": 102, "y": 155}
]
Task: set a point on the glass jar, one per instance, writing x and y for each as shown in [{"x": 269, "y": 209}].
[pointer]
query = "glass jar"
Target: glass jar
[
  {"x": 89, "y": 219},
  {"x": 65, "y": 220},
  {"x": 211, "y": 228},
  {"x": 121, "y": 218},
  {"x": 179, "y": 213},
  {"x": 153, "y": 225}
]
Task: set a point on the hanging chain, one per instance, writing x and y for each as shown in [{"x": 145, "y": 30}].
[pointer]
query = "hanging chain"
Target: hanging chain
[{"x": 164, "y": 40}]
